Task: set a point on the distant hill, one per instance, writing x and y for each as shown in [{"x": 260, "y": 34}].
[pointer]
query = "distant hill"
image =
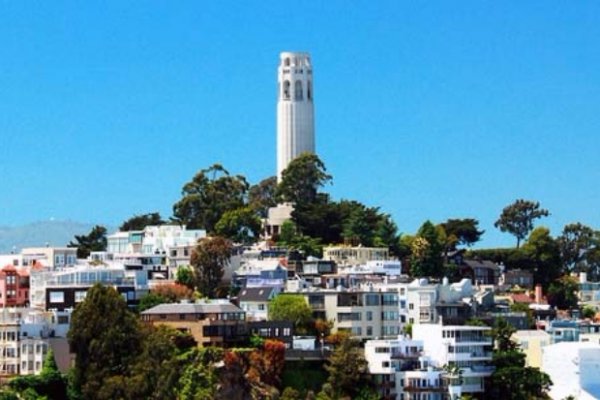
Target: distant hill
[{"x": 38, "y": 234}]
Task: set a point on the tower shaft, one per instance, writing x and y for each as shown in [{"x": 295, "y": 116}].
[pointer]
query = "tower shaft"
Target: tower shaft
[{"x": 295, "y": 109}]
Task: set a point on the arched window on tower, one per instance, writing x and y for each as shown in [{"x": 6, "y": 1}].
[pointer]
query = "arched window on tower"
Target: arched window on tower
[
  {"x": 309, "y": 90},
  {"x": 298, "y": 90},
  {"x": 286, "y": 90},
  {"x": 287, "y": 62}
]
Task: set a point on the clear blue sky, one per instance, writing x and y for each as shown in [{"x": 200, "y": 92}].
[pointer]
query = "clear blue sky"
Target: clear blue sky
[{"x": 429, "y": 110}]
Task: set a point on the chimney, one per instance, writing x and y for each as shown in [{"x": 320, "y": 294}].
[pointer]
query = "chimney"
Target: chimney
[{"x": 538, "y": 294}]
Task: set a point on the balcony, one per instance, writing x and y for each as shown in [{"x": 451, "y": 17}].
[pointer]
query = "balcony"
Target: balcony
[
  {"x": 317, "y": 306},
  {"x": 426, "y": 388},
  {"x": 411, "y": 355}
]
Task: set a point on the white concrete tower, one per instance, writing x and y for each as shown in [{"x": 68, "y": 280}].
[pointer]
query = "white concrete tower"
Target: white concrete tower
[{"x": 295, "y": 111}]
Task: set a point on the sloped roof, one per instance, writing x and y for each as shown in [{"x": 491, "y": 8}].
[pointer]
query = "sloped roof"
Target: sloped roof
[
  {"x": 255, "y": 294},
  {"x": 193, "y": 308},
  {"x": 481, "y": 264}
]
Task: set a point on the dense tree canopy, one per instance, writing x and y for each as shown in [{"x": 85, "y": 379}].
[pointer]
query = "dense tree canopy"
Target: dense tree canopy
[
  {"x": 517, "y": 218},
  {"x": 105, "y": 337},
  {"x": 427, "y": 248},
  {"x": 542, "y": 255},
  {"x": 302, "y": 178},
  {"x": 93, "y": 241},
  {"x": 139, "y": 222},
  {"x": 241, "y": 225},
  {"x": 291, "y": 307},
  {"x": 209, "y": 259},
  {"x": 464, "y": 231},
  {"x": 210, "y": 194},
  {"x": 347, "y": 369},
  {"x": 562, "y": 293},
  {"x": 263, "y": 195},
  {"x": 578, "y": 247}
]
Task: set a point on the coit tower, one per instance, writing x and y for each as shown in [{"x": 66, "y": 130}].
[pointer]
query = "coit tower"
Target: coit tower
[{"x": 295, "y": 110}]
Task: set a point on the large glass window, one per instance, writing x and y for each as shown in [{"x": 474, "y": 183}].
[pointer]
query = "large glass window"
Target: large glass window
[
  {"x": 372, "y": 299},
  {"x": 57, "y": 297}
]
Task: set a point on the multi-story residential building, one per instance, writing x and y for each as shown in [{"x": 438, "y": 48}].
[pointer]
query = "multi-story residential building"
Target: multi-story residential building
[
  {"x": 390, "y": 361},
  {"x": 355, "y": 255},
  {"x": 563, "y": 331},
  {"x": 269, "y": 270},
  {"x": 482, "y": 272},
  {"x": 531, "y": 342},
  {"x": 211, "y": 322},
  {"x": 14, "y": 286},
  {"x": 517, "y": 277},
  {"x": 154, "y": 265},
  {"x": 61, "y": 290},
  {"x": 50, "y": 257},
  {"x": 255, "y": 302},
  {"x": 421, "y": 368},
  {"x": 466, "y": 347},
  {"x": 429, "y": 303},
  {"x": 574, "y": 368},
  {"x": 589, "y": 292},
  {"x": 365, "y": 314},
  {"x": 14, "y": 259},
  {"x": 154, "y": 240},
  {"x": 25, "y": 337}
]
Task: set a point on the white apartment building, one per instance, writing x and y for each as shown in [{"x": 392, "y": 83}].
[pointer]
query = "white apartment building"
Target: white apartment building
[
  {"x": 429, "y": 303},
  {"x": 49, "y": 257},
  {"x": 467, "y": 347},
  {"x": 421, "y": 302},
  {"x": 25, "y": 337},
  {"x": 398, "y": 366},
  {"x": 354, "y": 255},
  {"x": 173, "y": 241},
  {"x": 574, "y": 368}
]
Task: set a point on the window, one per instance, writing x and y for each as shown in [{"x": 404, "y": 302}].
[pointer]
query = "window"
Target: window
[
  {"x": 309, "y": 90},
  {"x": 57, "y": 297},
  {"x": 63, "y": 319},
  {"x": 372, "y": 299},
  {"x": 389, "y": 315},
  {"x": 385, "y": 364},
  {"x": 80, "y": 295},
  {"x": 342, "y": 317},
  {"x": 298, "y": 90},
  {"x": 390, "y": 299},
  {"x": 369, "y": 331},
  {"x": 369, "y": 316},
  {"x": 411, "y": 306},
  {"x": 286, "y": 90}
]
